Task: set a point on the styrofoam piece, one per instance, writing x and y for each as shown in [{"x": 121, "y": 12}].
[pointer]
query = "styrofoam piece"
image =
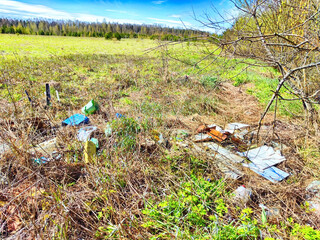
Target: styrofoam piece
[
  {"x": 231, "y": 127},
  {"x": 273, "y": 174},
  {"x": 202, "y": 136},
  {"x": 264, "y": 157},
  {"x": 225, "y": 152}
]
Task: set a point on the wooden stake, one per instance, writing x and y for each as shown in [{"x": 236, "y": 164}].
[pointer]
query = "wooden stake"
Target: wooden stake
[{"x": 48, "y": 94}]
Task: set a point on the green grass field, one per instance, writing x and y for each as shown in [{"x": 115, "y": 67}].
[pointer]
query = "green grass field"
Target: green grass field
[
  {"x": 91, "y": 62},
  {"x": 133, "y": 190}
]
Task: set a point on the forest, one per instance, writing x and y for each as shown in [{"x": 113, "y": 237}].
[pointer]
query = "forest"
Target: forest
[{"x": 86, "y": 29}]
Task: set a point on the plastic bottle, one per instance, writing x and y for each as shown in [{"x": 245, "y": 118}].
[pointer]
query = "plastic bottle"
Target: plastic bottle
[{"x": 243, "y": 194}]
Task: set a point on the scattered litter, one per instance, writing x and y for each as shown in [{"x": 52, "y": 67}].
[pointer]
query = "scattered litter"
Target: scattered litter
[
  {"x": 242, "y": 134},
  {"x": 85, "y": 133},
  {"x": 41, "y": 160},
  {"x": 46, "y": 148},
  {"x": 3, "y": 148},
  {"x": 216, "y": 127},
  {"x": 273, "y": 212},
  {"x": 242, "y": 194},
  {"x": 231, "y": 127},
  {"x": 75, "y": 120},
  {"x": 225, "y": 152},
  {"x": 4, "y": 181},
  {"x": 215, "y": 134},
  {"x": 95, "y": 141},
  {"x": 180, "y": 134},
  {"x": 264, "y": 157},
  {"x": 57, "y": 93},
  {"x": 314, "y": 205},
  {"x": 90, "y": 108},
  {"x": 314, "y": 187},
  {"x": 157, "y": 136},
  {"x": 182, "y": 144},
  {"x": 201, "y": 137},
  {"x": 203, "y": 128},
  {"x": 56, "y": 156},
  {"x": 89, "y": 151},
  {"x": 108, "y": 130},
  {"x": 273, "y": 174},
  {"x": 223, "y": 163},
  {"x": 119, "y": 115},
  {"x": 279, "y": 146}
]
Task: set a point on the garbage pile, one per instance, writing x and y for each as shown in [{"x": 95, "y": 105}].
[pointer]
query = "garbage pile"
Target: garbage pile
[{"x": 233, "y": 147}]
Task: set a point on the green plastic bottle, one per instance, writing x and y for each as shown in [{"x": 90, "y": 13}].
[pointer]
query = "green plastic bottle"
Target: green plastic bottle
[{"x": 90, "y": 108}]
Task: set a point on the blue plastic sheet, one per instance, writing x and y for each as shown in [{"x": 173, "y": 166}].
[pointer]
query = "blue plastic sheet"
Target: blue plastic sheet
[
  {"x": 119, "y": 115},
  {"x": 75, "y": 120},
  {"x": 41, "y": 160},
  {"x": 273, "y": 174}
]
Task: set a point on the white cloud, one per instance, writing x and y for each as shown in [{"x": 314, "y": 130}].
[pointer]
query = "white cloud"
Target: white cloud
[
  {"x": 40, "y": 11},
  {"x": 14, "y": 8},
  {"x": 31, "y": 9},
  {"x": 158, "y": 2},
  {"x": 169, "y": 21},
  {"x": 175, "y": 16},
  {"x": 8, "y": 11},
  {"x": 116, "y": 11}
]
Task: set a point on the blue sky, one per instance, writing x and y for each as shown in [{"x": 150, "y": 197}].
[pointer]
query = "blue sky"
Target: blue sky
[{"x": 165, "y": 12}]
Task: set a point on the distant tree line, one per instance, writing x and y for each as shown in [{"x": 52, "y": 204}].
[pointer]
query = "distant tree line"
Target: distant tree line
[{"x": 86, "y": 29}]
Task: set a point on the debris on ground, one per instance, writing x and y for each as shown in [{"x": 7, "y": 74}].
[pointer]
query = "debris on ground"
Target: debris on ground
[
  {"x": 157, "y": 136},
  {"x": 84, "y": 134},
  {"x": 119, "y": 115},
  {"x": 89, "y": 151},
  {"x": 226, "y": 148},
  {"x": 46, "y": 148},
  {"x": 4, "y": 181},
  {"x": 41, "y": 160},
  {"x": 314, "y": 205},
  {"x": 242, "y": 194},
  {"x": 225, "y": 152},
  {"x": 232, "y": 127},
  {"x": 108, "y": 130},
  {"x": 273, "y": 174},
  {"x": 313, "y": 196},
  {"x": 95, "y": 141},
  {"x": 202, "y": 137},
  {"x": 264, "y": 157},
  {"x": 219, "y": 136},
  {"x": 224, "y": 158},
  {"x": 224, "y": 164},
  {"x": 75, "y": 120},
  {"x": 90, "y": 108},
  {"x": 314, "y": 187},
  {"x": 3, "y": 148},
  {"x": 180, "y": 134}
]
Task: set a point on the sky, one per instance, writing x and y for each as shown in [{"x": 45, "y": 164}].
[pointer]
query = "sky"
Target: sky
[{"x": 172, "y": 13}]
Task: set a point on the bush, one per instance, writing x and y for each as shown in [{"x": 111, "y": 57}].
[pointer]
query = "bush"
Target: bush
[
  {"x": 108, "y": 35},
  {"x": 117, "y": 36}
]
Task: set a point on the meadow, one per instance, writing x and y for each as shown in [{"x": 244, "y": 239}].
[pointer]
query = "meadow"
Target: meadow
[{"x": 133, "y": 189}]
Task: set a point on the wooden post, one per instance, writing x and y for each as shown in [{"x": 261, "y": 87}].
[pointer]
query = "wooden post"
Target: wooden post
[
  {"x": 48, "y": 94},
  {"x": 28, "y": 96}
]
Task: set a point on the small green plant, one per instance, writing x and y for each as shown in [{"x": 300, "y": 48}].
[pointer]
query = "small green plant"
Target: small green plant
[
  {"x": 189, "y": 208},
  {"x": 126, "y": 130},
  {"x": 209, "y": 82}
]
